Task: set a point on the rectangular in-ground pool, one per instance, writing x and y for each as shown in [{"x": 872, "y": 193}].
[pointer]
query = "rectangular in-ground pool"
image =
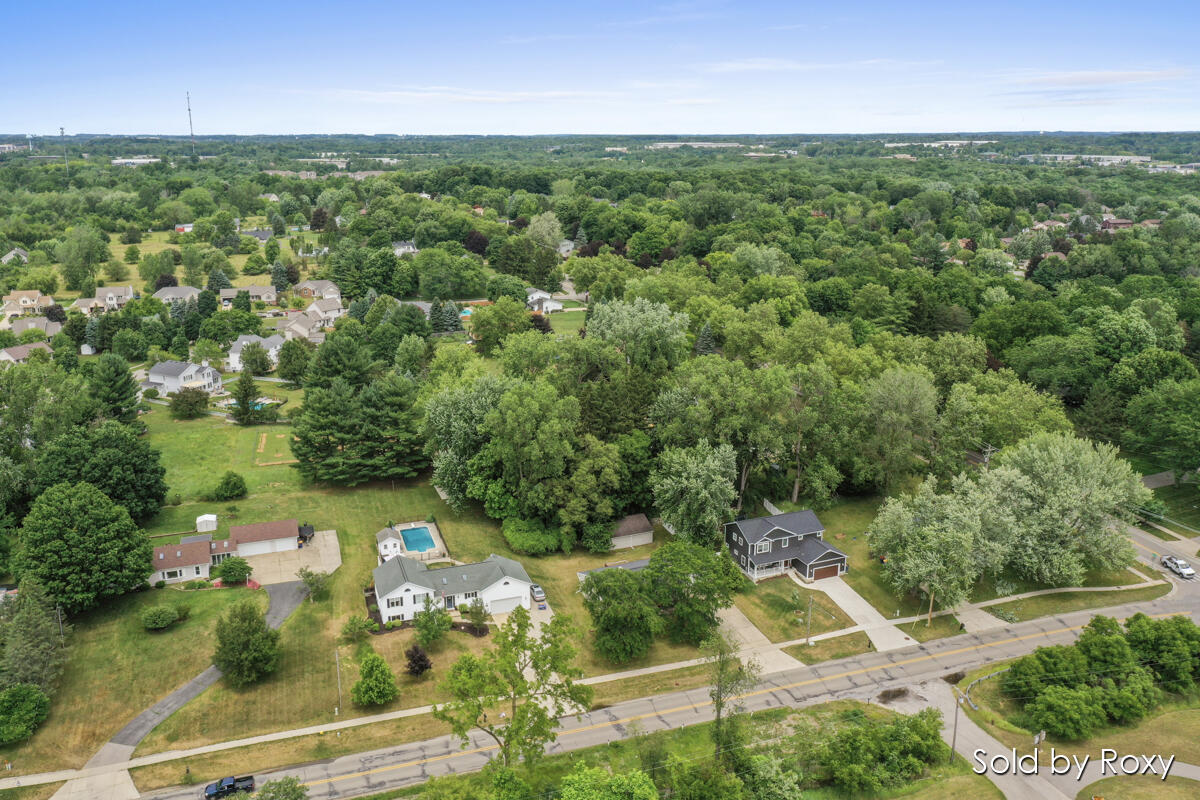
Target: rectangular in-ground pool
[{"x": 417, "y": 540}]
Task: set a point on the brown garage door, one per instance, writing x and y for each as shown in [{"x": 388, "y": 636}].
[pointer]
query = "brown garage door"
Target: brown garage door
[{"x": 825, "y": 572}]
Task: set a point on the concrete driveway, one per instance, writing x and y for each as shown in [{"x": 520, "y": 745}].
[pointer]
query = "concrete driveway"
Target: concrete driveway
[{"x": 322, "y": 554}]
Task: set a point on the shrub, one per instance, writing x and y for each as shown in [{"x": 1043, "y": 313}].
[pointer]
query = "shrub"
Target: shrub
[
  {"x": 182, "y": 611},
  {"x": 150, "y": 394},
  {"x": 196, "y": 584},
  {"x": 530, "y": 536},
  {"x": 174, "y": 499},
  {"x": 159, "y": 584},
  {"x": 376, "y": 685},
  {"x": 431, "y": 622},
  {"x": 156, "y": 618},
  {"x": 231, "y": 487},
  {"x": 431, "y": 518},
  {"x": 189, "y": 403},
  {"x": 356, "y": 628},
  {"x": 418, "y": 661},
  {"x": 234, "y": 569},
  {"x": 23, "y": 707}
]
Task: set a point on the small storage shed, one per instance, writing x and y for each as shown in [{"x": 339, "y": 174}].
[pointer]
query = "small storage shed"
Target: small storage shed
[
  {"x": 206, "y": 523},
  {"x": 632, "y": 531}
]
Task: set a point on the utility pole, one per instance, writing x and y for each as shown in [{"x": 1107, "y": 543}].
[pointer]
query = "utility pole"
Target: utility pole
[
  {"x": 337, "y": 659},
  {"x": 954, "y": 735},
  {"x": 62, "y": 136},
  {"x": 808, "y": 622},
  {"x": 988, "y": 450},
  {"x": 191, "y": 130}
]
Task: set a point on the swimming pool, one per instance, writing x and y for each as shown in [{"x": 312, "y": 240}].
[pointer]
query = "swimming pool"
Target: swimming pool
[{"x": 417, "y": 540}]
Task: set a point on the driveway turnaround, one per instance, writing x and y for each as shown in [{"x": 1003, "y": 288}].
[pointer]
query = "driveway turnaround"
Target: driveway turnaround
[{"x": 322, "y": 554}]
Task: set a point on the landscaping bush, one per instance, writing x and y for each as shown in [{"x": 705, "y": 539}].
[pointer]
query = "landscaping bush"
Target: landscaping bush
[
  {"x": 356, "y": 628},
  {"x": 418, "y": 661},
  {"x": 376, "y": 685},
  {"x": 234, "y": 569},
  {"x": 231, "y": 487},
  {"x": 531, "y": 537},
  {"x": 182, "y": 611},
  {"x": 431, "y": 622},
  {"x": 156, "y": 618},
  {"x": 159, "y": 584},
  {"x": 189, "y": 403},
  {"x": 196, "y": 584},
  {"x": 23, "y": 707},
  {"x": 150, "y": 394}
]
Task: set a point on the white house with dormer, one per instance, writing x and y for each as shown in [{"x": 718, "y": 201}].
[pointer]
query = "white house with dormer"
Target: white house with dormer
[
  {"x": 402, "y": 584},
  {"x": 271, "y": 344}
]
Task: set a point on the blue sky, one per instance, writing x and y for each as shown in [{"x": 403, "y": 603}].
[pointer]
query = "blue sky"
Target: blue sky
[{"x": 699, "y": 66}]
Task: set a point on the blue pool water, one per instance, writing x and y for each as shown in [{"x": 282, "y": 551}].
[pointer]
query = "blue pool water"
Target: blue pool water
[
  {"x": 466, "y": 312},
  {"x": 417, "y": 540}
]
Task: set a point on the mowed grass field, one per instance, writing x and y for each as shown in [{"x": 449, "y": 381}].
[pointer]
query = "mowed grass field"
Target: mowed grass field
[{"x": 115, "y": 669}]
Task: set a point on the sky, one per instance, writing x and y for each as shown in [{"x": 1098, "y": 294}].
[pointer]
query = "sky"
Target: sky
[{"x": 697, "y": 66}]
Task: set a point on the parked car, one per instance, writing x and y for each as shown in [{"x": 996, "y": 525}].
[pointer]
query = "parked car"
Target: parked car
[
  {"x": 229, "y": 786},
  {"x": 1180, "y": 567},
  {"x": 537, "y": 593}
]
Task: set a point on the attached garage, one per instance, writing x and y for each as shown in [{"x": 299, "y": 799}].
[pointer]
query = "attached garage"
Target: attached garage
[
  {"x": 265, "y": 537},
  {"x": 502, "y": 605},
  {"x": 826, "y": 572}
]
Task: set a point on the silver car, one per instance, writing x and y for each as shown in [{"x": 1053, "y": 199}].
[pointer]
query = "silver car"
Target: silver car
[
  {"x": 537, "y": 592},
  {"x": 1180, "y": 567}
]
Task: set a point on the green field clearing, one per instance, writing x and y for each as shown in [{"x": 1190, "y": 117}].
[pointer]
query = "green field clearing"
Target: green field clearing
[
  {"x": 1064, "y": 602},
  {"x": 1142, "y": 787},
  {"x": 851, "y": 644}
]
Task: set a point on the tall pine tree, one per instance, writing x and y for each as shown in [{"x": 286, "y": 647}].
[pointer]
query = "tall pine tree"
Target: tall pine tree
[
  {"x": 706, "y": 345},
  {"x": 113, "y": 385}
]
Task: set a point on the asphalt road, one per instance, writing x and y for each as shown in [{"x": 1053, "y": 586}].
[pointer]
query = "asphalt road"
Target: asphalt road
[{"x": 858, "y": 677}]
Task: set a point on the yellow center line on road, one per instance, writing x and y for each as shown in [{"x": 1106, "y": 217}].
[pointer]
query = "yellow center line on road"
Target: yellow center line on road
[{"x": 696, "y": 706}]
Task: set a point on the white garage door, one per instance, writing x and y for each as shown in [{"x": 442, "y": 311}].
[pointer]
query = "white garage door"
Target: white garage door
[
  {"x": 501, "y": 605},
  {"x": 266, "y": 546}
]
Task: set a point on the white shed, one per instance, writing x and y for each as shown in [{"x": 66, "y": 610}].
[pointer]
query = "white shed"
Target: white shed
[{"x": 206, "y": 523}]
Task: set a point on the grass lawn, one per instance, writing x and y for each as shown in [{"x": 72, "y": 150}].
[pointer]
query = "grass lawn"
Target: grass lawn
[
  {"x": 1141, "y": 787},
  {"x": 769, "y": 606},
  {"x": 567, "y": 322},
  {"x": 115, "y": 669},
  {"x": 851, "y": 644},
  {"x": 40, "y": 792},
  {"x": 940, "y": 627},
  {"x": 1033, "y": 607},
  {"x": 986, "y": 588},
  {"x": 674, "y": 680},
  {"x": 1183, "y": 506}
]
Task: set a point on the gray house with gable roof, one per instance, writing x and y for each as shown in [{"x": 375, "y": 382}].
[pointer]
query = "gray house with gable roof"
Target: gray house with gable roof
[
  {"x": 402, "y": 584},
  {"x": 767, "y": 546}
]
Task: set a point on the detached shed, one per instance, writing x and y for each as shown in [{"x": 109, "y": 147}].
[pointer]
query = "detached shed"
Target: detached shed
[
  {"x": 632, "y": 531},
  {"x": 206, "y": 523}
]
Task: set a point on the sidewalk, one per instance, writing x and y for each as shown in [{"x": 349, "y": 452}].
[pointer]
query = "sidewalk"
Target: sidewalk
[{"x": 882, "y": 633}]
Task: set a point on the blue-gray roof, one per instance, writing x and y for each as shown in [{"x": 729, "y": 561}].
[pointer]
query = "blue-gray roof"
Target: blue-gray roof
[
  {"x": 395, "y": 572},
  {"x": 797, "y": 523}
]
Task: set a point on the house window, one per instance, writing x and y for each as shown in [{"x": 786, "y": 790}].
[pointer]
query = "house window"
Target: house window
[
  {"x": 197, "y": 570},
  {"x": 762, "y": 547},
  {"x": 743, "y": 562},
  {"x": 171, "y": 574},
  {"x": 395, "y": 602},
  {"x": 469, "y": 595}
]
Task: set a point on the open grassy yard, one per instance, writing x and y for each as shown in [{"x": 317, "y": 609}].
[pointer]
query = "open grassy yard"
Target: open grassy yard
[
  {"x": 115, "y": 669},
  {"x": 1061, "y": 603},
  {"x": 42, "y": 791},
  {"x": 769, "y": 606},
  {"x": 1141, "y": 787},
  {"x": 567, "y": 322},
  {"x": 851, "y": 644},
  {"x": 986, "y": 588},
  {"x": 672, "y": 680}
]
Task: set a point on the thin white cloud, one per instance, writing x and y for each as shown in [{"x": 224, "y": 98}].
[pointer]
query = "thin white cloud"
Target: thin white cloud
[
  {"x": 766, "y": 64},
  {"x": 1106, "y": 77},
  {"x": 691, "y": 101},
  {"x": 452, "y": 94}
]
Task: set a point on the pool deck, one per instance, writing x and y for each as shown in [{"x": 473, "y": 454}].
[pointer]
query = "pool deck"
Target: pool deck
[{"x": 438, "y": 551}]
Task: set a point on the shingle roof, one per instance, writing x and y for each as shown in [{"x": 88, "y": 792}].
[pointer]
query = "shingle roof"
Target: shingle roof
[
  {"x": 385, "y": 534},
  {"x": 794, "y": 522},
  {"x": 327, "y": 304},
  {"x": 629, "y": 566},
  {"x": 395, "y": 572},
  {"x": 171, "y": 369},
  {"x": 21, "y": 352},
  {"x": 168, "y": 293},
  {"x": 634, "y": 523},
  {"x": 268, "y": 344},
  {"x": 262, "y": 531},
  {"x": 171, "y": 556}
]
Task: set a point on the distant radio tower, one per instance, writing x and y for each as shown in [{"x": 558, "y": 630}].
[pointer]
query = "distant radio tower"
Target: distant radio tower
[{"x": 191, "y": 130}]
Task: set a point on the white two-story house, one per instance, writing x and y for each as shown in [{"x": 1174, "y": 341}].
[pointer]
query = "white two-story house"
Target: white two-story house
[{"x": 402, "y": 584}]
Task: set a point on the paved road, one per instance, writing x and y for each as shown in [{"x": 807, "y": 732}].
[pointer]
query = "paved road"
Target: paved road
[{"x": 858, "y": 677}]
